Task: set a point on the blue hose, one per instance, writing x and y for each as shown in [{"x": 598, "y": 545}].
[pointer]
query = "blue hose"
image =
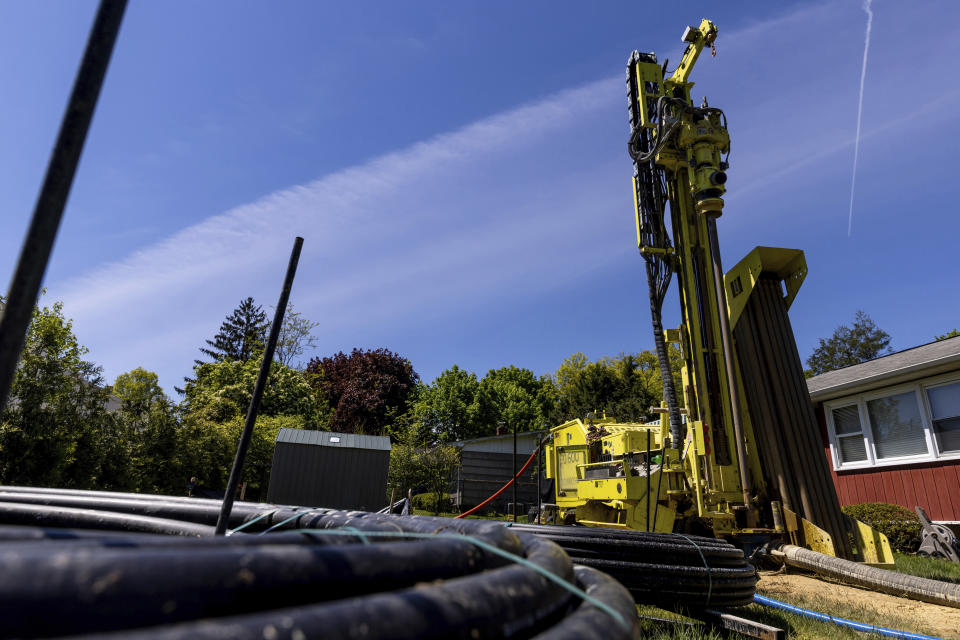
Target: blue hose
[{"x": 843, "y": 622}]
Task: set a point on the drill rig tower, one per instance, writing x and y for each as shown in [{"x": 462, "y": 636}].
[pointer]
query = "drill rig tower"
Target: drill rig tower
[{"x": 742, "y": 457}]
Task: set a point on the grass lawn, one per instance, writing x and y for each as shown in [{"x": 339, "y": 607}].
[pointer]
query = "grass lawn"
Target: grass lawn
[
  {"x": 932, "y": 568},
  {"x": 797, "y": 627}
]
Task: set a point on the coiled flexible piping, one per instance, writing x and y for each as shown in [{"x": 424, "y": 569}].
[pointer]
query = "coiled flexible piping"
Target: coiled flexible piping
[
  {"x": 898, "y": 584},
  {"x": 340, "y": 578}
]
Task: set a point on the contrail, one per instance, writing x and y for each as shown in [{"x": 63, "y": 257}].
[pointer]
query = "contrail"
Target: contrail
[{"x": 856, "y": 144}]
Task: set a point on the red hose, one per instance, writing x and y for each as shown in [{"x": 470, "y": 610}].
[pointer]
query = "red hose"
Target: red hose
[{"x": 504, "y": 487}]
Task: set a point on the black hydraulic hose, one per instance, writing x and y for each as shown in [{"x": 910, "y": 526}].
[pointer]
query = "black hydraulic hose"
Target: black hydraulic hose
[
  {"x": 52, "y": 199},
  {"x": 237, "y": 469},
  {"x": 898, "y": 584},
  {"x": 663, "y": 359}
]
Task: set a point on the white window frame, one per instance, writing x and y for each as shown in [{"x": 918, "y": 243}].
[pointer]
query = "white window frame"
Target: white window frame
[
  {"x": 860, "y": 401},
  {"x": 928, "y": 409}
]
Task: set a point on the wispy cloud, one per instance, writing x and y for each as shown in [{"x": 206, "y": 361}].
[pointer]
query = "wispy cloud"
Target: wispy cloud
[{"x": 450, "y": 218}]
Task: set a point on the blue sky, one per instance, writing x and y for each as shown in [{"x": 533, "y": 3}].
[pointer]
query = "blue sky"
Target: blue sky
[{"x": 459, "y": 170}]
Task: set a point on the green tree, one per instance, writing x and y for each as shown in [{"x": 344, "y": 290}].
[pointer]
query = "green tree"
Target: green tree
[
  {"x": 406, "y": 471},
  {"x": 149, "y": 423},
  {"x": 861, "y": 341},
  {"x": 242, "y": 334},
  {"x": 953, "y": 333},
  {"x": 623, "y": 387},
  {"x": 437, "y": 464},
  {"x": 138, "y": 391},
  {"x": 207, "y": 449},
  {"x": 449, "y": 407},
  {"x": 295, "y": 337},
  {"x": 516, "y": 398},
  {"x": 55, "y": 429},
  {"x": 367, "y": 391},
  {"x": 221, "y": 392}
]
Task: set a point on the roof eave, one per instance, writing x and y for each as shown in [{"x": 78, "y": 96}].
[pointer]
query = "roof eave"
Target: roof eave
[{"x": 888, "y": 377}]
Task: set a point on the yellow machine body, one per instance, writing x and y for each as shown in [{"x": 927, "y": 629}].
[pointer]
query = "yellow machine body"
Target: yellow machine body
[{"x": 635, "y": 478}]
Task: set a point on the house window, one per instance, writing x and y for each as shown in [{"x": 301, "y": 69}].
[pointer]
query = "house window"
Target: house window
[
  {"x": 945, "y": 411},
  {"x": 850, "y": 442},
  {"x": 907, "y": 424},
  {"x": 897, "y": 426}
]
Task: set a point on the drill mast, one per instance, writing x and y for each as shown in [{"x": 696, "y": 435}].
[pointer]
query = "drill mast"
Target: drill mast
[{"x": 746, "y": 463}]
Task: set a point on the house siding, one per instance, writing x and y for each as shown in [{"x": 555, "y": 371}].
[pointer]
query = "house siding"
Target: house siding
[{"x": 935, "y": 486}]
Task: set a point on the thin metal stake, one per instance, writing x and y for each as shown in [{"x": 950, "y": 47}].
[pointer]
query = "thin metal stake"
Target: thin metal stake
[
  {"x": 539, "y": 479},
  {"x": 38, "y": 243},
  {"x": 664, "y": 463},
  {"x": 648, "y": 479},
  {"x": 244, "y": 443},
  {"x": 514, "y": 471}
]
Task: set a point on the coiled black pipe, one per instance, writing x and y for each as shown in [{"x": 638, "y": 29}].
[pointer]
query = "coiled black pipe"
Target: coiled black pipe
[
  {"x": 664, "y": 569},
  {"x": 448, "y": 610},
  {"x": 56, "y": 516},
  {"x": 335, "y": 578},
  {"x": 205, "y": 512}
]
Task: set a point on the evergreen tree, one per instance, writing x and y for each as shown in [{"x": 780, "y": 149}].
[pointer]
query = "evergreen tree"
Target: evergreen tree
[
  {"x": 240, "y": 335},
  {"x": 848, "y": 346}
]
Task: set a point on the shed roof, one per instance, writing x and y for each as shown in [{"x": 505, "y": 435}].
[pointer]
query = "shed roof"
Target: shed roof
[
  {"x": 328, "y": 439},
  {"x": 926, "y": 360}
]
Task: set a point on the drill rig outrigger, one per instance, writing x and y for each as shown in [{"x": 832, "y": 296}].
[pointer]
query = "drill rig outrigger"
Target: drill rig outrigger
[{"x": 747, "y": 462}]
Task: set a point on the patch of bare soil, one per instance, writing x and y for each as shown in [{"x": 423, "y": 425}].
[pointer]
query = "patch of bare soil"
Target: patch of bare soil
[{"x": 944, "y": 621}]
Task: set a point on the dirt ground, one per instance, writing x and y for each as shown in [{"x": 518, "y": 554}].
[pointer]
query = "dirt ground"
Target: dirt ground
[{"x": 944, "y": 621}]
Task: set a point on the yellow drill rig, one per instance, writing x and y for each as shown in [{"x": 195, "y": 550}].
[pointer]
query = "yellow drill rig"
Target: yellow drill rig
[{"x": 742, "y": 458}]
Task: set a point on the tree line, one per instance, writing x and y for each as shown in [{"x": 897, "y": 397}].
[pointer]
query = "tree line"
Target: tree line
[{"x": 64, "y": 426}]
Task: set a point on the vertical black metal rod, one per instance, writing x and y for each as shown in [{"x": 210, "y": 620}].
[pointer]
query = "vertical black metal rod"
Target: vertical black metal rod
[
  {"x": 514, "y": 476},
  {"x": 664, "y": 463},
  {"x": 244, "y": 443},
  {"x": 38, "y": 243},
  {"x": 539, "y": 479},
  {"x": 648, "y": 479}
]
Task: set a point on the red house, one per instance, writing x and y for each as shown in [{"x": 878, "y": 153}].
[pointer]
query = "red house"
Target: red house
[{"x": 891, "y": 429}]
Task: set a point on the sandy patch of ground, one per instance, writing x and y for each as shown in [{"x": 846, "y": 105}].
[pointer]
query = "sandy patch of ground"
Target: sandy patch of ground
[{"x": 944, "y": 621}]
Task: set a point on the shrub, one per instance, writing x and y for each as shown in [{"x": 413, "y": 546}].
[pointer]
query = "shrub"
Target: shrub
[
  {"x": 901, "y": 526},
  {"x": 428, "y": 502}
]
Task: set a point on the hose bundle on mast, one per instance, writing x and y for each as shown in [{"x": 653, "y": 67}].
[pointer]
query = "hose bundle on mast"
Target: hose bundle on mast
[{"x": 650, "y": 193}]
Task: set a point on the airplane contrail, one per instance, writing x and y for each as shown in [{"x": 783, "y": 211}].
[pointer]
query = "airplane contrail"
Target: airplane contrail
[{"x": 856, "y": 144}]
